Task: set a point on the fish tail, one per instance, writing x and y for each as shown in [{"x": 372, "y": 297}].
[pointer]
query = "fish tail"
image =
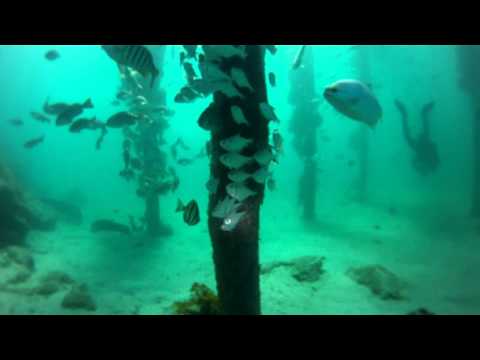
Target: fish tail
[{"x": 180, "y": 206}]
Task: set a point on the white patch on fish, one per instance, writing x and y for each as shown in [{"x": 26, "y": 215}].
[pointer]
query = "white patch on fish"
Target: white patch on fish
[
  {"x": 234, "y": 161},
  {"x": 239, "y": 191},
  {"x": 268, "y": 112},
  {"x": 238, "y": 116},
  {"x": 239, "y": 78},
  {"x": 235, "y": 143},
  {"x": 231, "y": 221}
]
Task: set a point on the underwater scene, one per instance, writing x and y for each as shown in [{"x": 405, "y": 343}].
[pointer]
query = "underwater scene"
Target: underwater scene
[{"x": 239, "y": 180}]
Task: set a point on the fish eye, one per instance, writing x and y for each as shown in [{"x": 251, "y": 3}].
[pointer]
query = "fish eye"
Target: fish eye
[{"x": 227, "y": 221}]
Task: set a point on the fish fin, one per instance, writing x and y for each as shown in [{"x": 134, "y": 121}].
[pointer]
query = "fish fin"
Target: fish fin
[
  {"x": 180, "y": 206},
  {"x": 88, "y": 104}
]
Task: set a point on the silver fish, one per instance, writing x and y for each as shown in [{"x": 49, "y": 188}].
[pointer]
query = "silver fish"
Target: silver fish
[
  {"x": 234, "y": 161},
  {"x": 268, "y": 112},
  {"x": 239, "y": 78},
  {"x": 238, "y": 175},
  {"x": 231, "y": 221},
  {"x": 235, "y": 143},
  {"x": 239, "y": 191},
  {"x": 225, "y": 207},
  {"x": 261, "y": 175},
  {"x": 265, "y": 157},
  {"x": 238, "y": 116}
]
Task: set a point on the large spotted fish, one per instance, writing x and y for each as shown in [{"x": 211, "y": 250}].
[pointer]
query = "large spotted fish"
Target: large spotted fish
[{"x": 137, "y": 57}]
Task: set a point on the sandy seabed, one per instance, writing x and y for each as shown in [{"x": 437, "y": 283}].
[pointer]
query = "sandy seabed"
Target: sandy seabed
[{"x": 439, "y": 259}]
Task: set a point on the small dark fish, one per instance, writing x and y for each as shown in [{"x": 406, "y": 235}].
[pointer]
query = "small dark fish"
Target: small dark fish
[
  {"x": 191, "y": 50},
  {"x": 17, "y": 122},
  {"x": 54, "y": 109},
  {"x": 351, "y": 163},
  {"x": 83, "y": 124},
  {"x": 185, "y": 161},
  {"x": 71, "y": 112},
  {"x": 127, "y": 174},
  {"x": 122, "y": 119},
  {"x": 272, "y": 79},
  {"x": 34, "y": 142},
  {"x": 136, "y": 164},
  {"x": 52, "y": 55},
  {"x": 137, "y": 57},
  {"x": 191, "y": 213},
  {"x": 271, "y": 184},
  {"x": 109, "y": 226},
  {"x": 209, "y": 120},
  {"x": 187, "y": 95},
  {"x": 277, "y": 141},
  {"x": 123, "y": 95},
  {"x": 183, "y": 56},
  {"x": 299, "y": 58},
  {"x": 40, "y": 117},
  {"x": 377, "y": 227},
  {"x": 271, "y": 48}
]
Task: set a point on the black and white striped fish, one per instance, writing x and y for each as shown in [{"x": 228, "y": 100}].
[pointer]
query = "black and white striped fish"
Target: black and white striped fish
[
  {"x": 137, "y": 57},
  {"x": 191, "y": 213}
]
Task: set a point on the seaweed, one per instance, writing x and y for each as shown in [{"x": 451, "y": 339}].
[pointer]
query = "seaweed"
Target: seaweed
[{"x": 203, "y": 301}]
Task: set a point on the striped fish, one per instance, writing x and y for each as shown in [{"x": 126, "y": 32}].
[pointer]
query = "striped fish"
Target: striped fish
[
  {"x": 191, "y": 213},
  {"x": 137, "y": 57}
]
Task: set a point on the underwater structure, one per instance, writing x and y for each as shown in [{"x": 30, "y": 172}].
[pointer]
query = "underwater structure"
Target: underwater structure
[
  {"x": 142, "y": 147},
  {"x": 236, "y": 252},
  {"x": 304, "y": 124},
  {"x": 468, "y": 58},
  {"x": 238, "y": 121},
  {"x": 361, "y": 143}
]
